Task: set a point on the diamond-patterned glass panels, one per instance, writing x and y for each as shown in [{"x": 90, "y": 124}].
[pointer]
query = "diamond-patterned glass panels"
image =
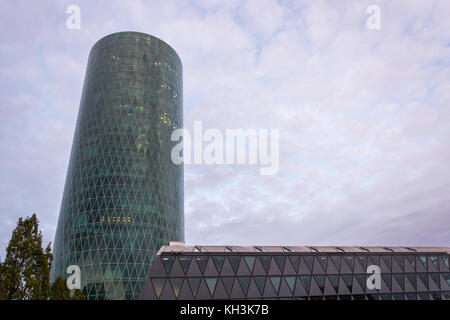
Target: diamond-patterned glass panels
[
  {"x": 331, "y": 276},
  {"x": 123, "y": 196}
]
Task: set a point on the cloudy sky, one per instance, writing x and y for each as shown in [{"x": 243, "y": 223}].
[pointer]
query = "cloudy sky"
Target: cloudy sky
[{"x": 363, "y": 114}]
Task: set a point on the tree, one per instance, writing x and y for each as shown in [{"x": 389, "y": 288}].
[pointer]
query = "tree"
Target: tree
[
  {"x": 59, "y": 291},
  {"x": 3, "y": 295},
  {"x": 27, "y": 265}
]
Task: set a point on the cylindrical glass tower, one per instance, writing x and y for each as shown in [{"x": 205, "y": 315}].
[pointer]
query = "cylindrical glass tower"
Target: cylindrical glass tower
[{"x": 123, "y": 196}]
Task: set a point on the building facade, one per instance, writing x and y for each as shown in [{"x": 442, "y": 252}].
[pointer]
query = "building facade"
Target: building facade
[
  {"x": 123, "y": 197},
  {"x": 303, "y": 273}
]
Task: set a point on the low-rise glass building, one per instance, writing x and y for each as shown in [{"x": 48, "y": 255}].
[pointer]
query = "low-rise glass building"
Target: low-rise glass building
[{"x": 303, "y": 273}]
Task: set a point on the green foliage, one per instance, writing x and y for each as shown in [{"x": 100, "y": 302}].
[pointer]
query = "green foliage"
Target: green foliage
[
  {"x": 25, "y": 273},
  {"x": 27, "y": 265},
  {"x": 2, "y": 283},
  {"x": 78, "y": 295},
  {"x": 59, "y": 291}
]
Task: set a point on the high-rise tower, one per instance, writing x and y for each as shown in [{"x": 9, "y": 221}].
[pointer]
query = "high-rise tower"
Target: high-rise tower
[{"x": 123, "y": 197}]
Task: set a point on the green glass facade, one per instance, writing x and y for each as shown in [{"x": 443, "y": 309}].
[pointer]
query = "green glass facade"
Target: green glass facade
[{"x": 123, "y": 197}]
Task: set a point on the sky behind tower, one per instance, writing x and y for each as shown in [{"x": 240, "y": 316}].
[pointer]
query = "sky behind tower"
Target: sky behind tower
[{"x": 363, "y": 114}]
